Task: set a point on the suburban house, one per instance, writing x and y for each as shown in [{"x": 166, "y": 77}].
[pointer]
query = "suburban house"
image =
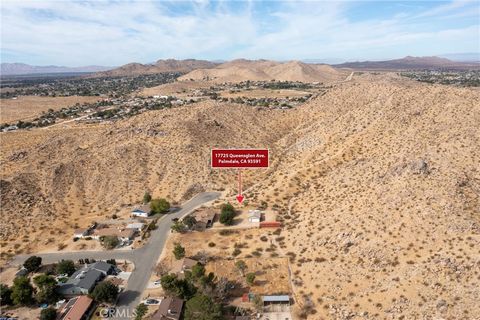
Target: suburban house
[
  {"x": 169, "y": 309},
  {"x": 142, "y": 211},
  {"x": 254, "y": 216},
  {"x": 78, "y": 308},
  {"x": 204, "y": 218},
  {"x": 137, "y": 226},
  {"x": 123, "y": 235},
  {"x": 85, "y": 279},
  {"x": 180, "y": 266}
]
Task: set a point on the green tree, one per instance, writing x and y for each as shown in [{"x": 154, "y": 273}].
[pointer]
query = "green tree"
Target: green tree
[
  {"x": 46, "y": 289},
  {"x": 178, "y": 226},
  {"x": 5, "y": 295},
  {"x": 189, "y": 221},
  {"x": 178, "y": 287},
  {"x": 22, "y": 291},
  {"x": 110, "y": 242},
  {"x": 159, "y": 206},
  {"x": 65, "y": 267},
  {"x": 32, "y": 263},
  {"x": 147, "y": 197},
  {"x": 48, "y": 314},
  {"x": 201, "y": 307},
  {"x": 140, "y": 311},
  {"x": 241, "y": 266},
  {"x": 227, "y": 214},
  {"x": 178, "y": 251},
  {"x": 43, "y": 280},
  {"x": 105, "y": 292},
  {"x": 250, "y": 277}
]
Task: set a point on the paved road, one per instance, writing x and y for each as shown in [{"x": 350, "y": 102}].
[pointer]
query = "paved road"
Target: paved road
[{"x": 145, "y": 258}]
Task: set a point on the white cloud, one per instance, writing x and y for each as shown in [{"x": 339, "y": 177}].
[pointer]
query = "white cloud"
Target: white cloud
[{"x": 114, "y": 33}]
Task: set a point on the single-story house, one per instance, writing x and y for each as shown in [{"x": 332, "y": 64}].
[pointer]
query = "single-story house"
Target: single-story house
[
  {"x": 254, "y": 216},
  {"x": 180, "y": 266},
  {"x": 85, "y": 279},
  {"x": 169, "y": 309},
  {"x": 122, "y": 234},
  {"x": 137, "y": 226},
  {"x": 142, "y": 211},
  {"x": 204, "y": 218},
  {"x": 282, "y": 299},
  {"x": 81, "y": 232},
  {"x": 78, "y": 308}
]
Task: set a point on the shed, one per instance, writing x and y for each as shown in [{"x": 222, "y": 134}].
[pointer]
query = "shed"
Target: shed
[
  {"x": 254, "y": 216},
  {"x": 282, "y": 299}
]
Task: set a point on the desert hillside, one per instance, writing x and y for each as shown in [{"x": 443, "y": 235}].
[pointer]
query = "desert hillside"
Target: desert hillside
[
  {"x": 168, "y": 65},
  {"x": 376, "y": 181},
  {"x": 380, "y": 193},
  {"x": 90, "y": 172},
  {"x": 265, "y": 70}
]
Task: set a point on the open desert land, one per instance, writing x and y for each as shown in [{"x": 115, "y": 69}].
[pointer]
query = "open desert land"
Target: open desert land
[
  {"x": 28, "y": 107},
  {"x": 376, "y": 182}
]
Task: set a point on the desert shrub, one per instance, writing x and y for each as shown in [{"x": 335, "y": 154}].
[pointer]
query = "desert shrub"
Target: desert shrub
[
  {"x": 178, "y": 251},
  {"x": 250, "y": 278},
  {"x": 32, "y": 263},
  {"x": 147, "y": 197},
  {"x": 110, "y": 242}
]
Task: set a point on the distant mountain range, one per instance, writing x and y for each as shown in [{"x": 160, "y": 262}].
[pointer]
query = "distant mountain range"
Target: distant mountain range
[
  {"x": 450, "y": 61},
  {"x": 169, "y": 65},
  {"x": 9, "y": 69},
  {"x": 409, "y": 63}
]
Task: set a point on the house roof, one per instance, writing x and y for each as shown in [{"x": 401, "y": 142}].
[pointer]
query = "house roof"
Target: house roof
[
  {"x": 86, "y": 277},
  {"x": 135, "y": 225},
  {"x": 276, "y": 298},
  {"x": 89, "y": 279},
  {"x": 183, "y": 264},
  {"x": 76, "y": 308},
  {"x": 254, "y": 214},
  {"x": 123, "y": 233},
  {"x": 143, "y": 208},
  {"x": 169, "y": 308},
  {"x": 204, "y": 215},
  {"x": 101, "y": 266}
]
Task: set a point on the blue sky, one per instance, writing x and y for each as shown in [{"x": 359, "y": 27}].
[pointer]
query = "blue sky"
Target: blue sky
[{"x": 75, "y": 33}]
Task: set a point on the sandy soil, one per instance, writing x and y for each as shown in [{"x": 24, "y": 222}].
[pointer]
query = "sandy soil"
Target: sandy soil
[{"x": 29, "y": 107}]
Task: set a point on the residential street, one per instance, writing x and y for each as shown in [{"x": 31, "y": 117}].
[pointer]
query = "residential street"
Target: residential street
[{"x": 144, "y": 258}]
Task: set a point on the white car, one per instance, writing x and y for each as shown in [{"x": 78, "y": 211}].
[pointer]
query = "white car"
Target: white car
[{"x": 157, "y": 282}]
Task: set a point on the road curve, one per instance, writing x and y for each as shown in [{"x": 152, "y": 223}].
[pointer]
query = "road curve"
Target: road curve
[{"x": 144, "y": 258}]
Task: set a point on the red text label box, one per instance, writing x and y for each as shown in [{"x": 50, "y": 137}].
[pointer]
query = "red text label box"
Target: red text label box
[{"x": 239, "y": 158}]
